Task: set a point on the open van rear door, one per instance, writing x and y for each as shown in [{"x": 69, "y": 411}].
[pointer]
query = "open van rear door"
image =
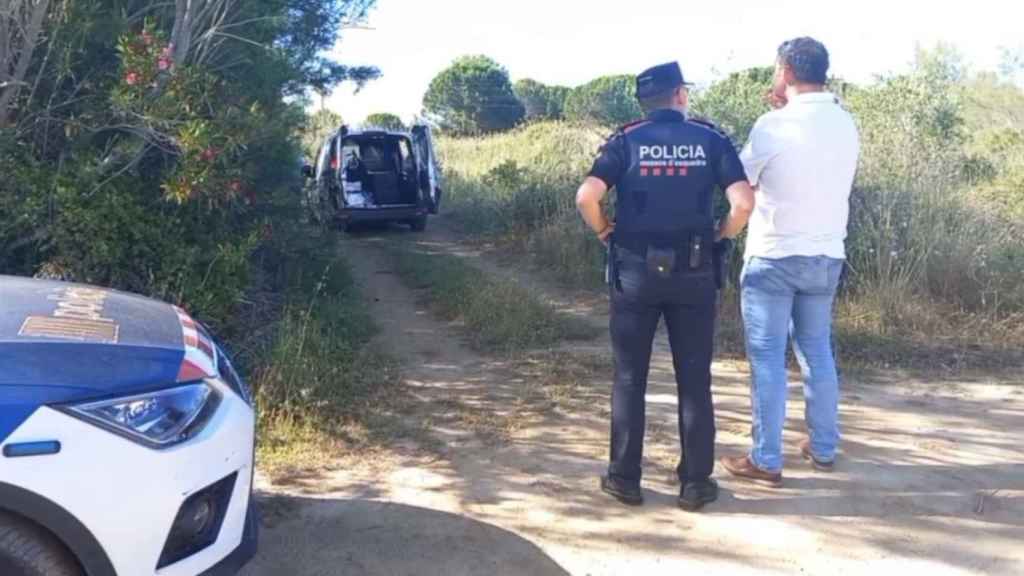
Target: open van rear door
[{"x": 428, "y": 170}]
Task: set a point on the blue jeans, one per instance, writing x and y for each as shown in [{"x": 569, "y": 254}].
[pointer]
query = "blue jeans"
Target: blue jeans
[{"x": 783, "y": 298}]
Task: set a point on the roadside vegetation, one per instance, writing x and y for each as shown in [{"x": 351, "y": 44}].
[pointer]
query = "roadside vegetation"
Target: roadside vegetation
[
  {"x": 498, "y": 315},
  {"x": 320, "y": 390},
  {"x": 936, "y": 251},
  {"x": 155, "y": 147}
]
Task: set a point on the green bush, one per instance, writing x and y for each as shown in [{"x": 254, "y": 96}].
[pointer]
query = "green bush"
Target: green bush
[
  {"x": 522, "y": 185},
  {"x": 916, "y": 228},
  {"x": 736, "y": 102},
  {"x": 608, "y": 101},
  {"x": 136, "y": 167},
  {"x": 518, "y": 181},
  {"x": 541, "y": 102},
  {"x": 23, "y": 210},
  {"x": 473, "y": 96}
]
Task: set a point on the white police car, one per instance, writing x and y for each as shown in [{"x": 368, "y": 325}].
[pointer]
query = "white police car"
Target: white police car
[{"x": 126, "y": 438}]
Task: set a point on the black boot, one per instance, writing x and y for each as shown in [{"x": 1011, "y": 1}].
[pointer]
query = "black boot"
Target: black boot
[
  {"x": 694, "y": 495},
  {"x": 621, "y": 491}
]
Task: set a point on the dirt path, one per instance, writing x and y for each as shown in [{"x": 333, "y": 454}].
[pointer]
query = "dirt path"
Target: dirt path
[{"x": 931, "y": 478}]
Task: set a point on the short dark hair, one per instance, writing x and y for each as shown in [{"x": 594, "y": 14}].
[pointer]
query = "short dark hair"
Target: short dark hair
[
  {"x": 659, "y": 100},
  {"x": 807, "y": 58}
]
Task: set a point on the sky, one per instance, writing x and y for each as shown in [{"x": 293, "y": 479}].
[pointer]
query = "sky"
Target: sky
[{"x": 570, "y": 42}]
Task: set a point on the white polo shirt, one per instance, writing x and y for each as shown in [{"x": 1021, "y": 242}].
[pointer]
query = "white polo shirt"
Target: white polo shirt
[{"x": 802, "y": 158}]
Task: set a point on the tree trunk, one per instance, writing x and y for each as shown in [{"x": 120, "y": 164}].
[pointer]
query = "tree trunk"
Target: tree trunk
[
  {"x": 26, "y": 18},
  {"x": 181, "y": 34}
]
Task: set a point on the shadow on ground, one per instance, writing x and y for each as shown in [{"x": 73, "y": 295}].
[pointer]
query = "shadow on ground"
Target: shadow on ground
[
  {"x": 319, "y": 537},
  {"x": 930, "y": 479}
]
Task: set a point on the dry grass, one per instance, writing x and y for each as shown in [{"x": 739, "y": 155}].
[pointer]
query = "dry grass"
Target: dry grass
[
  {"x": 566, "y": 380},
  {"x": 497, "y": 315}
]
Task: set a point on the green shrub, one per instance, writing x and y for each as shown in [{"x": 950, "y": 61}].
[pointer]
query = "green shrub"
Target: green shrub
[
  {"x": 541, "y": 102},
  {"x": 608, "y": 101},
  {"x": 735, "y": 102}
]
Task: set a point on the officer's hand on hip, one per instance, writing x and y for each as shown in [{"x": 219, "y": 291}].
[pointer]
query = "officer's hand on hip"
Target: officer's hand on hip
[{"x": 605, "y": 234}]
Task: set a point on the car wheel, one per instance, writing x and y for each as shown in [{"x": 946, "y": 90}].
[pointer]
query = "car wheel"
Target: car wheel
[
  {"x": 28, "y": 550},
  {"x": 419, "y": 224}
]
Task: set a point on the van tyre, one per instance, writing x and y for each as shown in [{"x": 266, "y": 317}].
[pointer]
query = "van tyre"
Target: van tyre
[
  {"x": 28, "y": 550},
  {"x": 419, "y": 224}
]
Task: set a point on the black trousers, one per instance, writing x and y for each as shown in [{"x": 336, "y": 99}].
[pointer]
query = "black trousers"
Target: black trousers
[{"x": 687, "y": 303}]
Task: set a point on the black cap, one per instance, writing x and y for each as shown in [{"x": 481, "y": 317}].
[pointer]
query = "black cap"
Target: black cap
[{"x": 661, "y": 78}]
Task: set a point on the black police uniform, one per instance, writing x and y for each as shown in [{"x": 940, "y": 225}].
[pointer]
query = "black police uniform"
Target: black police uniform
[{"x": 665, "y": 170}]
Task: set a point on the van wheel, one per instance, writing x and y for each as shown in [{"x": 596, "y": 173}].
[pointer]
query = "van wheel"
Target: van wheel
[
  {"x": 419, "y": 224},
  {"x": 28, "y": 550}
]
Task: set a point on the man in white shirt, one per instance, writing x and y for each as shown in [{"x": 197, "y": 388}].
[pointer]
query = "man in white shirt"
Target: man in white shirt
[{"x": 802, "y": 158}]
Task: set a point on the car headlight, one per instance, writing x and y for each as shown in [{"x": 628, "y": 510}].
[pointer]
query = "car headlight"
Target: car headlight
[{"x": 156, "y": 419}]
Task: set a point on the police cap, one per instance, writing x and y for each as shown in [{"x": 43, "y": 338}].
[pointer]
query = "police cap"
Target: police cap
[{"x": 659, "y": 79}]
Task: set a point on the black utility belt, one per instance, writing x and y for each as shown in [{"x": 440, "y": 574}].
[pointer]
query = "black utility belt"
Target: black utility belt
[{"x": 664, "y": 260}]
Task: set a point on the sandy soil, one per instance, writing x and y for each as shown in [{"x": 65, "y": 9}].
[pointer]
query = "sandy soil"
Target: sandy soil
[{"x": 930, "y": 479}]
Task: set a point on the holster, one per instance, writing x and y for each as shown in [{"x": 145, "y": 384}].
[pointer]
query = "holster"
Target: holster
[{"x": 611, "y": 269}]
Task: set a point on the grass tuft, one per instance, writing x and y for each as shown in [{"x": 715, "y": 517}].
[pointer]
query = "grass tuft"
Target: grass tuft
[
  {"x": 498, "y": 315},
  {"x": 314, "y": 378}
]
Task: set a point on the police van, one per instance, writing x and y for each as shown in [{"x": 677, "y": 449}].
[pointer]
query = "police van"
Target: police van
[
  {"x": 374, "y": 174},
  {"x": 126, "y": 438}
]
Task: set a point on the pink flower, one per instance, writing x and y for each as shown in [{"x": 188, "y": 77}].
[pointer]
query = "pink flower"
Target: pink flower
[
  {"x": 131, "y": 78},
  {"x": 163, "y": 64},
  {"x": 208, "y": 154},
  {"x": 235, "y": 186}
]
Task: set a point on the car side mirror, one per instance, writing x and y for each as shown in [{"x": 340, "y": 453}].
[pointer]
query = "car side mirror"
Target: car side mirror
[{"x": 307, "y": 170}]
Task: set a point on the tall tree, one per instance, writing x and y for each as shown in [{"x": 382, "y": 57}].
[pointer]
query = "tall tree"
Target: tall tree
[
  {"x": 473, "y": 96},
  {"x": 607, "y": 100},
  {"x": 542, "y": 102},
  {"x": 318, "y": 126},
  {"x": 385, "y": 120}
]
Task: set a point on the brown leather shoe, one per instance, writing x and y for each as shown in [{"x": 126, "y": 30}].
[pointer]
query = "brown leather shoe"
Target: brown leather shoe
[
  {"x": 820, "y": 465},
  {"x": 742, "y": 467}
]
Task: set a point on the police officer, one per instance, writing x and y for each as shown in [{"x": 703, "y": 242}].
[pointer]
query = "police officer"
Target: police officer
[{"x": 665, "y": 169}]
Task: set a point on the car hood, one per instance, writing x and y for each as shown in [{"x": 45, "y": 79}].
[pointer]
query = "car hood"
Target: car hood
[
  {"x": 58, "y": 334},
  {"x": 61, "y": 342}
]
